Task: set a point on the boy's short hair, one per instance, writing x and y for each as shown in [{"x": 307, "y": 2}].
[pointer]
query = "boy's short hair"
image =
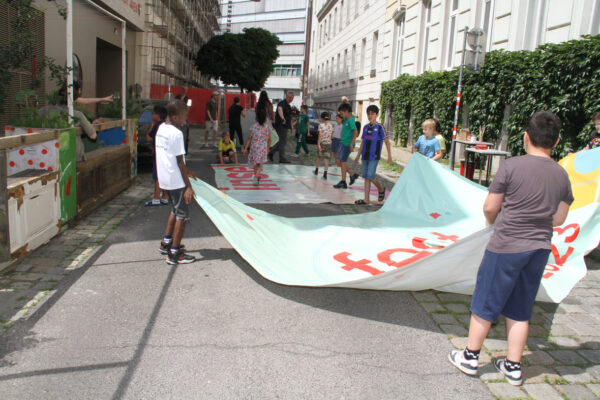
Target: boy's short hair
[
  {"x": 304, "y": 107},
  {"x": 596, "y": 116},
  {"x": 175, "y": 107},
  {"x": 345, "y": 107},
  {"x": 325, "y": 115},
  {"x": 161, "y": 111},
  {"x": 430, "y": 122},
  {"x": 373, "y": 108},
  {"x": 236, "y": 100},
  {"x": 339, "y": 116},
  {"x": 225, "y": 133},
  {"x": 543, "y": 129}
]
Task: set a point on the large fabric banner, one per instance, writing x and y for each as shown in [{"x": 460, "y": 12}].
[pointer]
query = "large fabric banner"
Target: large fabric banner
[{"x": 430, "y": 234}]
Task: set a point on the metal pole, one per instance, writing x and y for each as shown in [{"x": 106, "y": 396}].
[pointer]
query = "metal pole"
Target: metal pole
[
  {"x": 70, "y": 58},
  {"x": 123, "y": 74},
  {"x": 458, "y": 95}
]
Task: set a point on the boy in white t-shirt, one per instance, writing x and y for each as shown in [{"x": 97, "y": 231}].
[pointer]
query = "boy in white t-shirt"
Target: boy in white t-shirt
[{"x": 173, "y": 177}]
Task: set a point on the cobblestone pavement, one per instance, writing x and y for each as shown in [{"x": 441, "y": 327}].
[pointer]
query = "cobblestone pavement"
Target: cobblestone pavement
[
  {"x": 563, "y": 352},
  {"x": 27, "y": 284}
]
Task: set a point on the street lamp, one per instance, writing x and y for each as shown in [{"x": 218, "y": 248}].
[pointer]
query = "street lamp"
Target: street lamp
[{"x": 473, "y": 59}]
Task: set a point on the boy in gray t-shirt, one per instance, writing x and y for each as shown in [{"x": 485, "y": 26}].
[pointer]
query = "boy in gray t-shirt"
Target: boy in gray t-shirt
[{"x": 529, "y": 195}]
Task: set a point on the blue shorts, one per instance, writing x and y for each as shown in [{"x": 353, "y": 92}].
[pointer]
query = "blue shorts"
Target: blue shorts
[
  {"x": 507, "y": 284},
  {"x": 343, "y": 153},
  {"x": 368, "y": 168},
  {"x": 335, "y": 145}
]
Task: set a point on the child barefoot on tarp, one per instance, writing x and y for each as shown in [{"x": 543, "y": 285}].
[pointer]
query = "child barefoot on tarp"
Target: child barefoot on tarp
[
  {"x": 373, "y": 138},
  {"x": 324, "y": 143},
  {"x": 529, "y": 195},
  {"x": 259, "y": 143}
]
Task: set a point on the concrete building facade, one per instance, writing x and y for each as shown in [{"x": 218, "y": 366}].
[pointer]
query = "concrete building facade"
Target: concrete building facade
[
  {"x": 286, "y": 19},
  {"x": 358, "y": 44}
]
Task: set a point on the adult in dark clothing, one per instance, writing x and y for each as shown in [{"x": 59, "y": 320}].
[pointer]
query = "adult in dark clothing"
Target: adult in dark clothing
[
  {"x": 235, "y": 124},
  {"x": 283, "y": 121}
]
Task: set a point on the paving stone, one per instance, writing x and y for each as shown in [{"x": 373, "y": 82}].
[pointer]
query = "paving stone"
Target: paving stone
[
  {"x": 574, "y": 374},
  {"x": 432, "y": 306},
  {"x": 582, "y": 329},
  {"x": 538, "y": 357},
  {"x": 570, "y": 308},
  {"x": 457, "y": 307},
  {"x": 542, "y": 391},
  {"x": 495, "y": 344},
  {"x": 594, "y": 387},
  {"x": 562, "y": 330},
  {"x": 564, "y": 341},
  {"x": 464, "y": 318},
  {"x": 587, "y": 319},
  {"x": 459, "y": 342},
  {"x": 540, "y": 374},
  {"x": 426, "y": 295},
  {"x": 588, "y": 342},
  {"x": 539, "y": 344},
  {"x": 592, "y": 355},
  {"x": 489, "y": 373},
  {"x": 444, "y": 319},
  {"x": 537, "y": 331},
  {"x": 567, "y": 357},
  {"x": 455, "y": 297},
  {"x": 505, "y": 390},
  {"x": 577, "y": 392},
  {"x": 457, "y": 330},
  {"x": 594, "y": 370},
  {"x": 30, "y": 277}
]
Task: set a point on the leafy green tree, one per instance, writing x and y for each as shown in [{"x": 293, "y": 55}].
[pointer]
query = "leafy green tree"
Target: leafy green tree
[{"x": 244, "y": 59}]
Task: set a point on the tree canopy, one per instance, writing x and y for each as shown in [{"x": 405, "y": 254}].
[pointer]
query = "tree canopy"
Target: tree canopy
[{"x": 243, "y": 59}]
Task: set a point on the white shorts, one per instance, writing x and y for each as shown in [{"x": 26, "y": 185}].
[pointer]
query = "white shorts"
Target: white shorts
[{"x": 212, "y": 126}]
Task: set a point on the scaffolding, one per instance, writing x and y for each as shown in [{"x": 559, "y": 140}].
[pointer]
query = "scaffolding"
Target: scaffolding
[{"x": 175, "y": 31}]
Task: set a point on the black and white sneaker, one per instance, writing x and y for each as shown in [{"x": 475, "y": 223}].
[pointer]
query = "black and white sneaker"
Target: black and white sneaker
[
  {"x": 513, "y": 377},
  {"x": 180, "y": 258},
  {"x": 353, "y": 179},
  {"x": 469, "y": 367},
  {"x": 341, "y": 185},
  {"x": 164, "y": 248}
]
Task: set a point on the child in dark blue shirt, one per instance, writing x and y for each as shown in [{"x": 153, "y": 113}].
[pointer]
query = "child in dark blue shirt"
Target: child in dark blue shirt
[{"x": 373, "y": 138}]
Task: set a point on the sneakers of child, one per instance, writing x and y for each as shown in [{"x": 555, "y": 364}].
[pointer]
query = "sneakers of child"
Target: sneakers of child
[
  {"x": 255, "y": 180},
  {"x": 316, "y": 171},
  {"x": 180, "y": 258},
  {"x": 152, "y": 203},
  {"x": 164, "y": 248},
  {"x": 513, "y": 377},
  {"x": 457, "y": 358},
  {"x": 325, "y": 175},
  {"x": 353, "y": 179},
  {"x": 164, "y": 202},
  {"x": 341, "y": 185}
]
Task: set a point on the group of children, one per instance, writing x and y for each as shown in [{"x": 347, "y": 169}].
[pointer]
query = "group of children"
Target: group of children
[{"x": 530, "y": 191}]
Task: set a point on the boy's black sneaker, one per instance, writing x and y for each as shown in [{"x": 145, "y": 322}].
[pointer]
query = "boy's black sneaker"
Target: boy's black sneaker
[
  {"x": 325, "y": 175},
  {"x": 353, "y": 179},
  {"x": 316, "y": 172},
  {"x": 270, "y": 156},
  {"x": 513, "y": 377},
  {"x": 341, "y": 185},
  {"x": 180, "y": 258},
  {"x": 164, "y": 248}
]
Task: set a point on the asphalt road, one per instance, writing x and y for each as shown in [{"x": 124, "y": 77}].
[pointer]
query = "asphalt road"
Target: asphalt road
[{"x": 127, "y": 325}]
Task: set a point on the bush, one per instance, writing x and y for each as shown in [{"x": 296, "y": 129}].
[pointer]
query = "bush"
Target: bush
[{"x": 561, "y": 78}]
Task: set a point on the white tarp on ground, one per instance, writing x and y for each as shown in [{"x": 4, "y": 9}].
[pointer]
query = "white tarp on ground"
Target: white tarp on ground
[{"x": 430, "y": 234}]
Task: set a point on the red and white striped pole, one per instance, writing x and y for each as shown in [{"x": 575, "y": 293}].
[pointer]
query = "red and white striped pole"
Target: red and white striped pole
[{"x": 458, "y": 95}]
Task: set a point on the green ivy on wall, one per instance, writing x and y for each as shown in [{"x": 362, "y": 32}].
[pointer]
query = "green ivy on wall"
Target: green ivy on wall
[{"x": 562, "y": 78}]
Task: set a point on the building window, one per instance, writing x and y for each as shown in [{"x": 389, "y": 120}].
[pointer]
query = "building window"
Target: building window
[
  {"x": 353, "y": 67},
  {"x": 488, "y": 21},
  {"x": 363, "y": 50},
  {"x": 334, "y": 22},
  {"x": 287, "y": 70},
  {"x": 452, "y": 22},
  {"x": 338, "y": 69},
  {"x": 595, "y": 21},
  {"x": 374, "y": 51},
  {"x": 425, "y": 28},
  {"x": 535, "y": 25},
  {"x": 356, "y": 8},
  {"x": 341, "y": 15},
  {"x": 400, "y": 26},
  {"x": 345, "y": 67},
  {"x": 312, "y": 42}
]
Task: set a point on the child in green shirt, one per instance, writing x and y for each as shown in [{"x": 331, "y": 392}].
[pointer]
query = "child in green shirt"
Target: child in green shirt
[{"x": 303, "y": 129}]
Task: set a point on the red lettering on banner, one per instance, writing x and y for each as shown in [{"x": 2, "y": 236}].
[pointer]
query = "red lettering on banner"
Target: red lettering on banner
[
  {"x": 241, "y": 175},
  {"x": 385, "y": 257},
  {"x": 441, "y": 236},
  {"x": 562, "y": 230},
  {"x": 560, "y": 260},
  {"x": 419, "y": 243},
  {"x": 349, "y": 264}
]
